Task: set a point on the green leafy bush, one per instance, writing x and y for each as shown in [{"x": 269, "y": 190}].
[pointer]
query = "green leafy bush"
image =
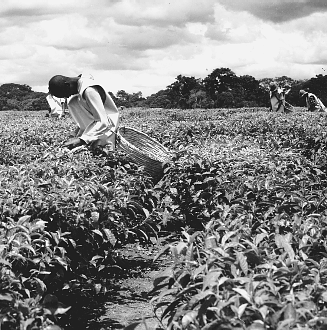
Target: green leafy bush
[{"x": 242, "y": 201}]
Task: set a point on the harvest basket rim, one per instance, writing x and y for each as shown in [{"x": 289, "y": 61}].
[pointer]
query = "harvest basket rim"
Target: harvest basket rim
[{"x": 143, "y": 150}]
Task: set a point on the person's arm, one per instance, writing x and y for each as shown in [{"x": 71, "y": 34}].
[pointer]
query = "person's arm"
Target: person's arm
[
  {"x": 101, "y": 122},
  {"x": 286, "y": 89}
]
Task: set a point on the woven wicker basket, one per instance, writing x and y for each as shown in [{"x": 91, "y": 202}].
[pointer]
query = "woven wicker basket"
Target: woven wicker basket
[{"x": 143, "y": 150}]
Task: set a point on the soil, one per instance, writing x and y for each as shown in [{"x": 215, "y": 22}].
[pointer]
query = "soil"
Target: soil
[{"x": 128, "y": 305}]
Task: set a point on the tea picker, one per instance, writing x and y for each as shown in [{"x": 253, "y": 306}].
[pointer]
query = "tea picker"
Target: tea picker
[
  {"x": 56, "y": 108},
  {"x": 313, "y": 103},
  {"x": 277, "y": 98},
  {"x": 91, "y": 108},
  {"x": 97, "y": 120}
]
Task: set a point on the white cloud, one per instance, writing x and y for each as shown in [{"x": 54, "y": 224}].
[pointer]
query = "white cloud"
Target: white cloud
[
  {"x": 142, "y": 45},
  {"x": 277, "y": 10},
  {"x": 163, "y": 12}
]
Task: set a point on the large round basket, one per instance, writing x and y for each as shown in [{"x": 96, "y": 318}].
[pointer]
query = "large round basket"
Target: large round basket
[{"x": 143, "y": 150}]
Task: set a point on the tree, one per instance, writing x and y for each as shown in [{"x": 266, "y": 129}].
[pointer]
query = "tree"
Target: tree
[
  {"x": 122, "y": 98},
  {"x": 15, "y": 91},
  {"x": 225, "y": 100},
  {"x": 158, "y": 100},
  {"x": 198, "y": 99},
  {"x": 21, "y": 97},
  {"x": 254, "y": 93},
  {"x": 136, "y": 99},
  {"x": 3, "y": 103},
  {"x": 219, "y": 81},
  {"x": 179, "y": 91}
]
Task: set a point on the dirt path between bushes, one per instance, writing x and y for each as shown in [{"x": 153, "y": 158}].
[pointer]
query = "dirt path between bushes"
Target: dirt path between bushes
[
  {"x": 128, "y": 307},
  {"x": 134, "y": 310}
]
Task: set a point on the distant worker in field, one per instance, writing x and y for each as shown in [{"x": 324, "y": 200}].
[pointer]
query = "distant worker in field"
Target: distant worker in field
[
  {"x": 55, "y": 106},
  {"x": 64, "y": 106},
  {"x": 313, "y": 103},
  {"x": 277, "y": 98},
  {"x": 91, "y": 108}
]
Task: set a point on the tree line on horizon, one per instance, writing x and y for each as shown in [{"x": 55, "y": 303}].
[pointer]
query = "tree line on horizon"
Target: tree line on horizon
[{"x": 222, "y": 88}]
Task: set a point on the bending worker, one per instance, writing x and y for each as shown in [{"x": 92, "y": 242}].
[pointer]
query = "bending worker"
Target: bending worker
[
  {"x": 91, "y": 108},
  {"x": 277, "y": 98},
  {"x": 313, "y": 103},
  {"x": 55, "y": 106}
]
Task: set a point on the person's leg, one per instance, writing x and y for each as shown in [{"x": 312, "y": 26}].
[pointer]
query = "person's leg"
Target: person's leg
[
  {"x": 80, "y": 115},
  {"x": 108, "y": 139},
  {"x": 82, "y": 118}
]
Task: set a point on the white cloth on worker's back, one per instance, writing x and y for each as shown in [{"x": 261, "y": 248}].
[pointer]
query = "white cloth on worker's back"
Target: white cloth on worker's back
[
  {"x": 277, "y": 100},
  {"x": 55, "y": 106},
  {"x": 96, "y": 119},
  {"x": 314, "y": 103}
]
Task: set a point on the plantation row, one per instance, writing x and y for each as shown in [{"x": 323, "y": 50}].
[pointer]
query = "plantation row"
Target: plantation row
[{"x": 244, "y": 197}]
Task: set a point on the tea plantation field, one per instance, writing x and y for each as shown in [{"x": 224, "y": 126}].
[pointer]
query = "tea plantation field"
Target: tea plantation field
[{"x": 242, "y": 207}]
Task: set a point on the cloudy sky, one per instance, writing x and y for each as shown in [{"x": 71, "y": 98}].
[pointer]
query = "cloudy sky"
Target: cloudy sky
[{"x": 142, "y": 45}]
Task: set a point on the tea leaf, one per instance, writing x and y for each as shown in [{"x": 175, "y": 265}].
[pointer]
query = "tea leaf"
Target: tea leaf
[
  {"x": 259, "y": 238},
  {"x": 289, "y": 312},
  {"x": 181, "y": 248},
  {"x": 227, "y": 236},
  {"x": 164, "y": 250},
  {"x": 6, "y": 297},
  {"x": 110, "y": 236},
  {"x": 243, "y": 293},
  {"x": 188, "y": 318},
  {"x": 243, "y": 263},
  {"x": 241, "y": 310},
  {"x": 210, "y": 279},
  {"x": 167, "y": 273},
  {"x": 257, "y": 325},
  {"x": 23, "y": 219}
]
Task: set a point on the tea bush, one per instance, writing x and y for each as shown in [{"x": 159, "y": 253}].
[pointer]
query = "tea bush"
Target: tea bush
[
  {"x": 243, "y": 201},
  {"x": 253, "y": 207},
  {"x": 63, "y": 217}
]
